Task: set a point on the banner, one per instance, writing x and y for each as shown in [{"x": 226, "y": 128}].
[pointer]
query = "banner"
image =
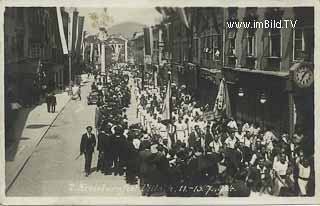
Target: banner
[
  {"x": 70, "y": 32},
  {"x": 166, "y": 110},
  {"x": 91, "y": 52},
  {"x": 183, "y": 17},
  {"x": 79, "y": 35},
  {"x": 222, "y": 106},
  {"x": 61, "y": 31},
  {"x": 148, "y": 41},
  {"x": 103, "y": 60},
  {"x": 74, "y": 30}
]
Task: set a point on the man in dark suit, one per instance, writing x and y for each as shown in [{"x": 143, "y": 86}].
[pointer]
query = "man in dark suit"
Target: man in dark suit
[
  {"x": 48, "y": 101},
  {"x": 88, "y": 142},
  {"x": 53, "y": 102}
]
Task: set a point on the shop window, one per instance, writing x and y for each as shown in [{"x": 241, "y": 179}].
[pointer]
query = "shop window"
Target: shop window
[{"x": 303, "y": 44}]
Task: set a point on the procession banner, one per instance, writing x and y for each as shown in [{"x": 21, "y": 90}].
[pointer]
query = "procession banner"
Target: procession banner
[
  {"x": 222, "y": 104},
  {"x": 166, "y": 106}
]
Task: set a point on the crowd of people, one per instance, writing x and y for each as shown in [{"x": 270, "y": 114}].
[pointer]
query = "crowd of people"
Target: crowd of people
[{"x": 194, "y": 154}]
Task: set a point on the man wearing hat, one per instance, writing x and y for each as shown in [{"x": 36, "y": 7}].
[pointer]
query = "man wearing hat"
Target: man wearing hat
[{"x": 88, "y": 142}]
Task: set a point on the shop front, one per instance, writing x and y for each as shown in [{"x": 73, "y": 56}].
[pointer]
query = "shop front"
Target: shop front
[
  {"x": 259, "y": 97},
  {"x": 208, "y": 86}
]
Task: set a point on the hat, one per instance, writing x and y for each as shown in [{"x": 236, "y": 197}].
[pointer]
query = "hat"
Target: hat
[{"x": 89, "y": 127}]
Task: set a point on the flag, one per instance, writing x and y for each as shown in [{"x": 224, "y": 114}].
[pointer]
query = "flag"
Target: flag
[
  {"x": 91, "y": 52},
  {"x": 148, "y": 41},
  {"x": 222, "y": 104},
  {"x": 183, "y": 17},
  {"x": 70, "y": 32},
  {"x": 103, "y": 61},
  {"x": 99, "y": 47},
  {"x": 61, "y": 31},
  {"x": 166, "y": 110},
  {"x": 79, "y": 35},
  {"x": 74, "y": 30}
]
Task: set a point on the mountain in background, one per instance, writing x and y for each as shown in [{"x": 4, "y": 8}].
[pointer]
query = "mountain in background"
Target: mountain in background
[{"x": 126, "y": 29}]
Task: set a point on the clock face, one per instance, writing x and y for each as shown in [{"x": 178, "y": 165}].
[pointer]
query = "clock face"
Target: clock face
[{"x": 303, "y": 76}]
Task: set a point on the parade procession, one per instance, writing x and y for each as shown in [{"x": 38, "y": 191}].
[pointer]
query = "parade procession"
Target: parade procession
[
  {"x": 180, "y": 149},
  {"x": 179, "y": 105}
]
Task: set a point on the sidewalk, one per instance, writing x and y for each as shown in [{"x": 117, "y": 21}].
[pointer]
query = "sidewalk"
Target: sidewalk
[{"x": 30, "y": 127}]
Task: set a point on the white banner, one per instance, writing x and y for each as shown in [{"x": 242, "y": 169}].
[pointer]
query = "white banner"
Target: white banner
[
  {"x": 91, "y": 51},
  {"x": 61, "y": 31},
  {"x": 103, "y": 60}
]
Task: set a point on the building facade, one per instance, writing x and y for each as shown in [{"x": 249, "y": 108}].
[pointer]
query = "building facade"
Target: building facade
[
  {"x": 259, "y": 64},
  {"x": 33, "y": 52}
]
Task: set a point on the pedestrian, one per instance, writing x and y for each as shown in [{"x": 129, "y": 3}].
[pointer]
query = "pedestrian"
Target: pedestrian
[
  {"x": 87, "y": 145},
  {"x": 48, "y": 101},
  {"x": 53, "y": 102},
  {"x": 79, "y": 92}
]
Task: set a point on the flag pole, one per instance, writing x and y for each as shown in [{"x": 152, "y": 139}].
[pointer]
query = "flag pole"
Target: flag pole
[{"x": 170, "y": 97}]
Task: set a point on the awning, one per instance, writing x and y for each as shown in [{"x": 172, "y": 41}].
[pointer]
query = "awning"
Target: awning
[{"x": 254, "y": 71}]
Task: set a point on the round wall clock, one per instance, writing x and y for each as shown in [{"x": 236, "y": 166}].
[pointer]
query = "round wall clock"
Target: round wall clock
[{"x": 303, "y": 76}]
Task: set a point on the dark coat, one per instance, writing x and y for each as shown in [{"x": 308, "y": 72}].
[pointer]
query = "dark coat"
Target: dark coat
[
  {"x": 53, "y": 100},
  {"x": 194, "y": 140},
  {"x": 158, "y": 172},
  {"x": 87, "y": 144}
]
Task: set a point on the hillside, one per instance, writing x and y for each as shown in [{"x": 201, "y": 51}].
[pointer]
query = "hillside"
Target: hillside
[{"x": 126, "y": 29}]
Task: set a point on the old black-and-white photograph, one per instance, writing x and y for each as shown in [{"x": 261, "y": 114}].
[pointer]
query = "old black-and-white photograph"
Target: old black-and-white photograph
[{"x": 159, "y": 102}]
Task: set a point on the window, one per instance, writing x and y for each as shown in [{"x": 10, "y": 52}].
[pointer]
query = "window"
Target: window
[
  {"x": 196, "y": 48},
  {"x": 251, "y": 45},
  {"x": 20, "y": 46},
  {"x": 35, "y": 50},
  {"x": 211, "y": 47},
  {"x": 217, "y": 47},
  {"x": 274, "y": 59},
  {"x": 231, "y": 49},
  {"x": 275, "y": 43},
  {"x": 303, "y": 43},
  {"x": 251, "y": 50},
  {"x": 231, "y": 42},
  {"x": 20, "y": 17}
]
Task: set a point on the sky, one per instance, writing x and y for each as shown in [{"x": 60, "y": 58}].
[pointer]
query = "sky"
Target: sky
[{"x": 146, "y": 16}]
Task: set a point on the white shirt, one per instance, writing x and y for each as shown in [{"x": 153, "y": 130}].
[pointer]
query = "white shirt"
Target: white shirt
[
  {"x": 304, "y": 172},
  {"x": 245, "y": 127},
  {"x": 231, "y": 142},
  {"x": 280, "y": 168},
  {"x": 216, "y": 146}
]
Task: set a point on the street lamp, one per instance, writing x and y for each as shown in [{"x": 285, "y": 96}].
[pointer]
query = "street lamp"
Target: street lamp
[
  {"x": 241, "y": 92},
  {"x": 263, "y": 98}
]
